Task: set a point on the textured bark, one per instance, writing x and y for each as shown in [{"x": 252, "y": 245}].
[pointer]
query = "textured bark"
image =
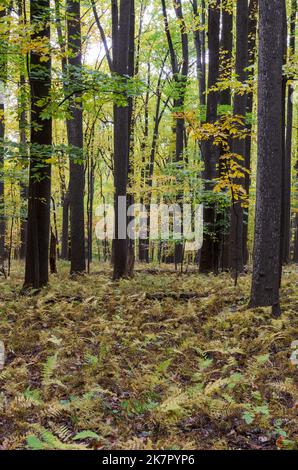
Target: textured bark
[
  {"x": 226, "y": 48},
  {"x": 266, "y": 273},
  {"x": 201, "y": 71},
  {"x": 288, "y": 148},
  {"x": 3, "y": 78},
  {"x": 23, "y": 183},
  {"x": 53, "y": 253},
  {"x": 37, "y": 250},
  {"x": 210, "y": 250},
  {"x": 131, "y": 127},
  {"x": 121, "y": 33},
  {"x": 252, "y": 33},
  {"x": 65, "y": 241},
  {"x": 236, "y": 259},
  {"x": 75, "y": 140}
]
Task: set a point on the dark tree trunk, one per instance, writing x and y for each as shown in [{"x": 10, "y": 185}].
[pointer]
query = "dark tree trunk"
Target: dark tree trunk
[
  {"x": 226, "y": 49},
  {"x": 65, "y": 241},
  {"x": 210, "y": 250},
  {"x": 252, "y": 32},
  {"x": 266, "y": 273},
  {"x": 53, "y": 253},
  {"x": 3, "y": 78},
  {"x": 199, "y": 53},
  {"x": 203, "y": 47},
  {"x": 37, "y": 250},
  {"x": 121, "y": 33},
  {"x": 236, "y": 229},
  {"x": 288, "y": 148},
  {"x": 65, "y": 248},
  {"x": 75, "y": 140},
  {"x": 131, "y": 125},
  {"x": 24, "y": 182}
]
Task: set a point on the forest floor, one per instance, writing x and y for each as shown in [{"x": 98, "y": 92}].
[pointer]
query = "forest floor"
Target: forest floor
[{"x": 162, "y": 361}]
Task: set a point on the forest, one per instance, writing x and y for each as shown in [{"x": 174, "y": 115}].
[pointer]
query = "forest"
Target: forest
[{"x": 148, "y": 225}]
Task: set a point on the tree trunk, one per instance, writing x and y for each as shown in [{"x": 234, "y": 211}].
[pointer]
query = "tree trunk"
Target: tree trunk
[
  {"x": 37, "y": 250},
  {"x": 252, "y": 32},
  {"x": 121, "y": 33},
  {"x": 226, "y": 50},
  {"x": 199, "y": 54},
  {"x": 75, "y": 140},
  {"x": 288, "y": 148},
  {"x": 236, "y": 229},
  {"x": 3, "y": 79},
  {"x": 210, "y": 250},
  {"x": 266, "y": 273}
]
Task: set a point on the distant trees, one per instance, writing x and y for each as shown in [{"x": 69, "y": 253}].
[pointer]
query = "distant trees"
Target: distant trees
[
  {"x": 266, "y": 268},
  {"x": 37, "y": 250}
]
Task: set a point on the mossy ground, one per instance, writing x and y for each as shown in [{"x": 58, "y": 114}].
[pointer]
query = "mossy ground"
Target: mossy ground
[{"x": 91, "y": 363}]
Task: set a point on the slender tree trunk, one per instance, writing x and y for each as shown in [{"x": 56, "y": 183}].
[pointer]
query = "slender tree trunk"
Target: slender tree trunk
[
  {"x": 252, "y": 33},
  {"x": 199, "y": 53},
  {"x": 226, "y": 49},
  {"x": 288, "y": 147},
  {"x": 65, "y": 251},
  {"x": 121, "y": 33},
  {"x": 210, "y": 250},
  {"x": 65, "y": 247},
  {"x": 266, "y": 272},
  {"x": 75, "y": 140},
  {"x": 3, "y": 79},
  {"x": 37, "y": 250},
  {"x": 131, "y": 125},
  {"x": 236, "y": 229}
]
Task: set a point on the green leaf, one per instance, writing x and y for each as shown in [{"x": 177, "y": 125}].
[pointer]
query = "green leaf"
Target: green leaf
[
  {"x": 248, "y": 417},
  {"x": 86, "y": 435},
  {"x": 34, "y": 443}
]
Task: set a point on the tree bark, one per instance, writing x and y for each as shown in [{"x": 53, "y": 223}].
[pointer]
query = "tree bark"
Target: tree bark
[
  {"x": 3, "y": 79},
  {"x": 209, "y": 259},
  {"x": 288, "y": 147},
  {"x": 121, "y": 33},
  {"x": 75, "y": 141},
  {"x": 226, "y": 49},
  {"x": 266, "y": 273},
  {"x": 252, "y": 33},
  {"x": 236, "y": 230},
  {"x": 37, "y": 250}
]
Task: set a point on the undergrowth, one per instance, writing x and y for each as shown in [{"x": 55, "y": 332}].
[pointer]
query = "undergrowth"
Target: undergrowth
[{"x": 91, "y": 363}]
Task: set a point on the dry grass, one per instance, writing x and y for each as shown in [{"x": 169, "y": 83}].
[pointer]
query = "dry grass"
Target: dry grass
[{"x": 136, "y": 372}]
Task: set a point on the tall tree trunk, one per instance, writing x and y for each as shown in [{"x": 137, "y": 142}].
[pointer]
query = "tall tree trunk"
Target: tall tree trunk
[
  {"x": 210, "y": 250},
  {"x": 288, "y": 147},
  {"x": 3, "y": 79},
  {"x": 236, "y": 229},
  {"x": 37, "y": 250},
  {"x": 65, "y": 246},
  {"x": 252, "y": 33},
  {"x": 121, "y": 34},
  {"x": 65, "y": 242},
  {"x": 199, "y": 53},
  {"x": 226, "y": 49},
  {"x": 131, "y": 125},
  {"x": 75, "y": 141},
  {"x": 266, "y": 274}
]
